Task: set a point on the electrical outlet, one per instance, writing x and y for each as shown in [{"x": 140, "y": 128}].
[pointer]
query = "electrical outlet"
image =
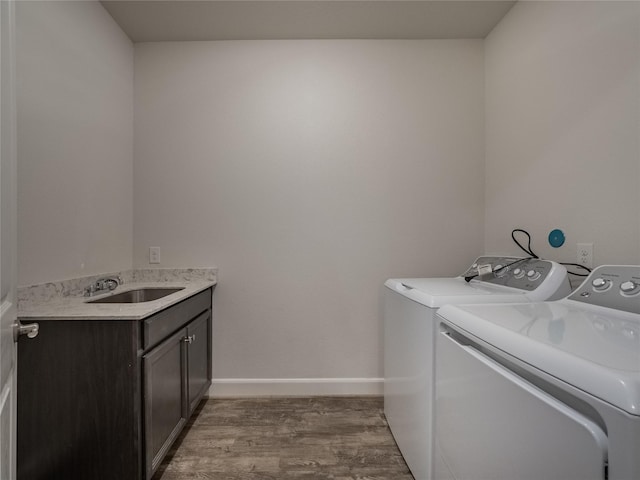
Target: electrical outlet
[
  {"x": 154, "y": 254},
  {"x": 585, "y": 254}
]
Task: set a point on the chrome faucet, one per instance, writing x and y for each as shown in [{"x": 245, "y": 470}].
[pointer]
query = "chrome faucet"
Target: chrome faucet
[{"x": 103, "y": 284}]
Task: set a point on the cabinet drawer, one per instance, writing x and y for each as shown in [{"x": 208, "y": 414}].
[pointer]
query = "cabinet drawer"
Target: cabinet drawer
[{"x": 163, "y": 324}]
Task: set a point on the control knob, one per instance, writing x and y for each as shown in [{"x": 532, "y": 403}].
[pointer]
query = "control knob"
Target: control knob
[
  {"x": 630, "y": 287},
  {"x": 518, "y": 272},
  {"x": 500, "y": 270},
  {"x": 533, "y": 275},
  {"x": 600, "y": 284}
]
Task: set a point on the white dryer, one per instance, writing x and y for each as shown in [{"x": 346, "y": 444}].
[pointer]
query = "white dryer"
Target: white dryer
[
  {"x": 410, "y": 307},
  {"x": 546, "y": 390}
]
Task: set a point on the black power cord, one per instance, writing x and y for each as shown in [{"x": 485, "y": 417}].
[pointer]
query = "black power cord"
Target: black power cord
[
  {"x": 529, "y": 251},
  {"x": 526, "y": 250},
  {"x": 520, "y": 260},
  {"x": 579, "y": 266}
]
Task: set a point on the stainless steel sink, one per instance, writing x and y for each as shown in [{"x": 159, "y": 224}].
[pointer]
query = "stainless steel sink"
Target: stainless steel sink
[{"x": 137, "y": 296}]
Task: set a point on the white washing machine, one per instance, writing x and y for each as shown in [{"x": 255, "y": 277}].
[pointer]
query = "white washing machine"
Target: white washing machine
[
  {"x": 410, "y": 307},
  {"x": 546, "y": 390}
]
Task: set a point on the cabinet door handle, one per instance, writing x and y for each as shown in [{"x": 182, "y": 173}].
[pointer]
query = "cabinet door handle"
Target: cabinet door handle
[
  {"x": 31, "y": 330},
  {"x": 189, "y": 339}
]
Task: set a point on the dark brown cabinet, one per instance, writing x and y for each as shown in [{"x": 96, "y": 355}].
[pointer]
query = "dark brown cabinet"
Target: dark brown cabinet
[
  {"x": 177, "y": 374},
  {"x": 105, "y": 399},
  {"x": 198, "y": 365},
  {"x": 164, "y": 399}
]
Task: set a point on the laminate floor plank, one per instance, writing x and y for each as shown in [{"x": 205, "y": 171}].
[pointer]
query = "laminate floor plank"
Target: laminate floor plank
[{"x": 310, "y": 438}]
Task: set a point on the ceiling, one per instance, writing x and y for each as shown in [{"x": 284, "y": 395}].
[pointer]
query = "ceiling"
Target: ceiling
[{"x": 185, "y": 20}]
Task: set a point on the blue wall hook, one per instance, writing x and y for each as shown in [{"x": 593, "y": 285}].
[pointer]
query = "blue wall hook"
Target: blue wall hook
[{"x": 556, "y": 238}]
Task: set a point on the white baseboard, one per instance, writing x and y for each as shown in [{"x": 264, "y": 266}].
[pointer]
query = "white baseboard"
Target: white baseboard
[{"x": 294, "y": 387}]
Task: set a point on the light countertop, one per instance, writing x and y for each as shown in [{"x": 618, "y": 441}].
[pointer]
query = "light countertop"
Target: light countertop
[{"x": 77, "y": 308}]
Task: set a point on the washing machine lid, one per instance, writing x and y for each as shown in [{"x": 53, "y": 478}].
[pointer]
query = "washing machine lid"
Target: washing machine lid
[
  {"x": 436, "y": 292},
  {"x": 595, "y": 349}
]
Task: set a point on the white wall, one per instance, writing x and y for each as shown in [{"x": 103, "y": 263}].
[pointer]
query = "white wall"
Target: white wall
[
  {"x": 563, "y": 128},
  {"x": 75, "y": 141},
  {"x": 308, "y": 172}
]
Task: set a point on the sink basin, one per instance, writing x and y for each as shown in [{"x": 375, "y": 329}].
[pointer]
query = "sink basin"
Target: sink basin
[{"x": 137, "y": 296}]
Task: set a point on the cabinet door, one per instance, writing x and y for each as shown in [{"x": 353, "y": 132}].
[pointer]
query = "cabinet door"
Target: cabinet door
[
  {"x": 199, "y": 359},
  {"x": 165, "y": 402},
  {"x": 79, "y": 390}
]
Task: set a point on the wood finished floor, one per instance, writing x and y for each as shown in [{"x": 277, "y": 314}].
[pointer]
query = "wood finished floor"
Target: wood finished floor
[{"x": 339, "y": 438}]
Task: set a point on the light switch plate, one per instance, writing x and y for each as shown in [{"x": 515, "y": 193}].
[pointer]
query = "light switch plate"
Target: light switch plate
[{"x": 154, "y": 254}]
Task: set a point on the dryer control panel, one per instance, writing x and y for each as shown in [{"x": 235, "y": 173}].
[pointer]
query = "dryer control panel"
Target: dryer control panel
[
  {"x": 515, "y": 272},
  {"x": 612, "y": 286}
]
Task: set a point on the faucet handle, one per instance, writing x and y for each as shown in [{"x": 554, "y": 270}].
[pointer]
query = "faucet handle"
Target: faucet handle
[{"x": 108, "y": 283}]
